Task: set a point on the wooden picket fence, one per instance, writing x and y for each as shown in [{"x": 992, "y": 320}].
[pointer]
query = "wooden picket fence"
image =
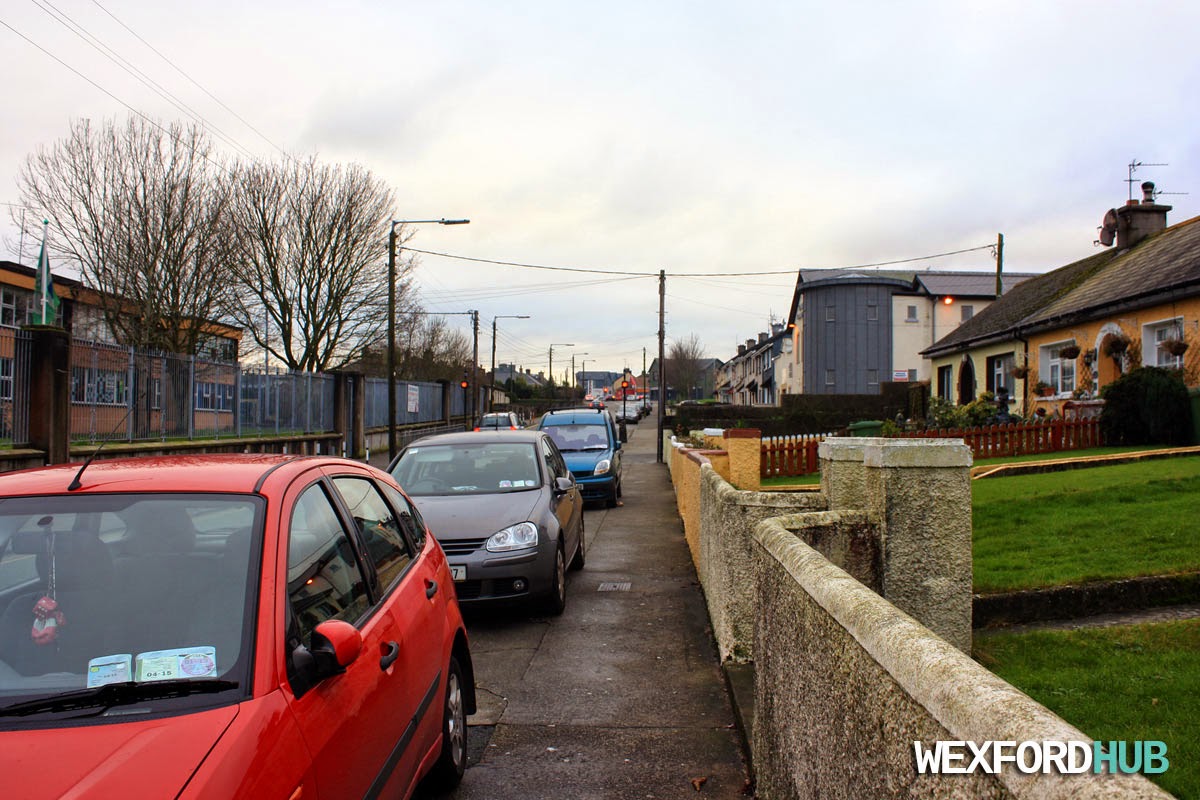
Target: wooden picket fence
[{"x": 786, "y": 456}]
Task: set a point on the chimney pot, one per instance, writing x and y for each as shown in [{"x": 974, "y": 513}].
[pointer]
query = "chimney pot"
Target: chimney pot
[{"x": 1148, "y": 193}]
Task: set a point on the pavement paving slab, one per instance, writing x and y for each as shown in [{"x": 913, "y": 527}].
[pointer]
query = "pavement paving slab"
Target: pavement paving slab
[{"x": 622, "y": 696}]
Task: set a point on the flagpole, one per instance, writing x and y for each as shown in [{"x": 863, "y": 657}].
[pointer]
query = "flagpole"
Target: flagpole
[{"x": 45, "y": 229}]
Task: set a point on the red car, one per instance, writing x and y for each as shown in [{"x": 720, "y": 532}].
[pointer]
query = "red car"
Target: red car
[{"x": 225, "y": 626}]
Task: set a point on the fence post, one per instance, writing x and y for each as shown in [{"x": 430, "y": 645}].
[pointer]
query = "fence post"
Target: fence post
[
  {"x": 130, "y": 374},
  {"x": 191, "y": 400},
  {"x": 237, "y": 400},
  {"x": 50, "y": 392}
]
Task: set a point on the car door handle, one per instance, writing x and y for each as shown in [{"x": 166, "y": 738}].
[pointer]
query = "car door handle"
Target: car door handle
[
  {"x": 430, "y": 588},
  {"x": 389, "y": 658}
]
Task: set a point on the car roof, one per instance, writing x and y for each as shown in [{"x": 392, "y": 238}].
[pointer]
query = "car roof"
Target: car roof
[
  {"x": 569, "y": 416},
  {"x": 479, "y": 437},
  {"x": 223, "y": 472}
]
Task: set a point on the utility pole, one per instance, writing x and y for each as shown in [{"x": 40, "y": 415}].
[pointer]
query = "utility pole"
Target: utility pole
[
  {"x": 662, "y": 338},
  {"x": 474, "y": 367},
  {"x": 999, "y": 263}
]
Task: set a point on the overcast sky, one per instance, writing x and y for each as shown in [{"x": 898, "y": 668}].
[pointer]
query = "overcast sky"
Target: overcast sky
[{"x": 693, "y": 137}]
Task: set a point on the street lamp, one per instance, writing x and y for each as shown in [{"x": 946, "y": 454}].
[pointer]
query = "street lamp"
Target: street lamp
[
  {"x": 583, "y": 371},
  {"x": 502, "y": 316},
  {"x": 575, "y": 380},
  {"x": 391, "y": 320},
  {"x": 552, "y": 346}
]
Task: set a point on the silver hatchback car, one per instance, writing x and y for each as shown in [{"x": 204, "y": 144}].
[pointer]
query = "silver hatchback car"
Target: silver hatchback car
[{"x": 505, "y": 509}]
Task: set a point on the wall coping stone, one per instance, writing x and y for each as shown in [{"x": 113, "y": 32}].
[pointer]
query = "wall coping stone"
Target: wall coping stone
[
  {"x": 846, "y": 448},
  {"x": 969, "y": 701},
  {"x": 790, "y": 501},
  {"x": 742, "y": 433},
  {"x": 917, "y": 453}
]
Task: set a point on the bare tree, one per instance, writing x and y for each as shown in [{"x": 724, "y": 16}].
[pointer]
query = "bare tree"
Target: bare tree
[
  {"x": 311, "y": 269},
  {"x": 428, "y": 349},
  {"x": 684, "y": 365},
  {"x": 138, "y": 208}
]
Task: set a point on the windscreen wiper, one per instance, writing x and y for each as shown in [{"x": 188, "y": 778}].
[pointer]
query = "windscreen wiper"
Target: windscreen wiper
[{"x": 116, "y": 694}]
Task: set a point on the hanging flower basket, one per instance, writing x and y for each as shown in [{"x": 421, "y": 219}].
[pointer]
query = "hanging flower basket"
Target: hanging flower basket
[
  {"x": 1020, "y": 372},
  {"x": 1116, "y": 346},
  {"x": 1175, "y": 347},
  {"x": 1071, "y": 351}
]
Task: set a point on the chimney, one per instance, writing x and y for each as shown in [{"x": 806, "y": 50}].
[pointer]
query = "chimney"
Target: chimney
[
  {"x": 762, "y": 337},
  {"x": 750, "y": 344},
  {"x": 776, "y": 328},
  {"x": 741, "y": 349},
  {"x": 1136, "y": 221}
]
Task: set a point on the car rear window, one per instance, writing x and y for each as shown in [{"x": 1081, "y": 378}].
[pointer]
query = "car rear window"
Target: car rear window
[
  {"x": 579, "y": 436},
  {"x": 488, "y": 468}
]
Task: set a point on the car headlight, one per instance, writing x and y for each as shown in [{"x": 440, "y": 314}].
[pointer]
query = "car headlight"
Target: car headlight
[
  {"x": 601, "y": 466},
  {"x": 514, "y": 537}
]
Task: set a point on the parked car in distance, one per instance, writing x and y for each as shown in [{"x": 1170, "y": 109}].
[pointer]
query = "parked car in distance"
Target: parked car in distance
[
  {"x": 588, "y": 440},
  {"x": 500, "y": 420},
  {"x": 505, "y": 509},
  {"x": 225, "y": 626}
]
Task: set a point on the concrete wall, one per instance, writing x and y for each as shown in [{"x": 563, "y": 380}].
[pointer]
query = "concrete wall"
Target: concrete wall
[
  {"x": 722, "y": 551},
  {"x": 845, "y": 683}
]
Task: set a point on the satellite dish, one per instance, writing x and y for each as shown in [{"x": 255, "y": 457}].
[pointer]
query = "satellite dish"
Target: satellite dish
[{"x": 1108, "y": 228}]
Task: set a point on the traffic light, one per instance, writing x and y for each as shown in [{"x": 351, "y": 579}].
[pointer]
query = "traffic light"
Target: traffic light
[
  {"x": 624, "y": 384},
  {"x": 464, "y": 383}
]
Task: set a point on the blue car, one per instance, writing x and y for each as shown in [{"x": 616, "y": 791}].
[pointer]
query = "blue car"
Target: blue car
[{"x": 587, "y": 439}]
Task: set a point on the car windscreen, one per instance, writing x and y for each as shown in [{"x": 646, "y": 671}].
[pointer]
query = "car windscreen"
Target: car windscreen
[
  {"x": 486, "y": 468},
  {"x": 495, "y": 421},
  {"x": 127, "y": 589},
  {"x": 579, "y": 436}
]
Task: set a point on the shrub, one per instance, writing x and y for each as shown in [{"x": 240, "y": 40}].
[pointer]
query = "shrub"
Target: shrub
[{"x": 1149, "y": 405}]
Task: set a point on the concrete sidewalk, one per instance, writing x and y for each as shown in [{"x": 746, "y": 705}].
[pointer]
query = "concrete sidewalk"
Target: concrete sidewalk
[{"x": 622, "y": 696}]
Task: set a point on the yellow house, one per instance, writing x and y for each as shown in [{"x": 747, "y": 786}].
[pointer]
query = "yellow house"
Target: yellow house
[{"x": 1063, "y": 335}]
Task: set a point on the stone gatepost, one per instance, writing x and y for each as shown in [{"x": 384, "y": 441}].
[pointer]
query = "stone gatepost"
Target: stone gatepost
[
  {"x": 917, "y": 493},
  {"x": 920, "y": 492},
  {"x": 744, "y": 446}
]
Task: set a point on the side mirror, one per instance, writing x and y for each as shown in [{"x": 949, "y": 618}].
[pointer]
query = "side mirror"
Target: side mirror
[
  {"x": 563, "y": 485},
  {"x": 335, "y": 646}
]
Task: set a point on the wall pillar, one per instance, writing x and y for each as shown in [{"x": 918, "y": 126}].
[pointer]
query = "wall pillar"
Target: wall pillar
[
  {"x": 50, "y": 392},
  {"x": 744, "y": 446},
  {"x": 358, "y": 415},
  {"x": 918, "y": 491},
  {"x": 843, "y": 476}
]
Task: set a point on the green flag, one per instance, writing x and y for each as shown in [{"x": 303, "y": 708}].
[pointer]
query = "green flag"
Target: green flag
[{"x": 45, "y": 301}]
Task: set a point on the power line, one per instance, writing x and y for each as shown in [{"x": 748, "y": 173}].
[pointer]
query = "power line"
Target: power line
[
  {"x": 178, "y": 69},
  {"x": 96, "y": 44},
  {"x": 791, "y": 271},
  {"x": 132, "y": 110}
]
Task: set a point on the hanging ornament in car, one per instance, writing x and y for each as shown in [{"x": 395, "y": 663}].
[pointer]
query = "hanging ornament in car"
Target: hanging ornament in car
[{"x": 47, "y": 619}]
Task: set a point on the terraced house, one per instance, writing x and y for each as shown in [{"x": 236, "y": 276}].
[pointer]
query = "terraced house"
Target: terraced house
[{"x": 1063, "y": 335}]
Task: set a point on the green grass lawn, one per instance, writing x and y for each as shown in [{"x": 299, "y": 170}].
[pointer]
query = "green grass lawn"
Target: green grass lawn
[
  {"x": 1124, "y": 683},
  {"x": 1086, "y": 524},
  {"x": 798, "y": 480}
]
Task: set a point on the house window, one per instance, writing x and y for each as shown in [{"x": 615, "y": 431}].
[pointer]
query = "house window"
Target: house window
[
  {"x": 945, "y": 382},
  {"x": 872, "y": 313},
  {"x": 1057, "y": 371},
  {"x": 6, "y": 379},
  {"x": 101, "y": 387},
  {"x": 967, "y": 312},
  {"x": 830, "y": 313},
  {"x": 999, "y": 373},
  {"x": 912, "y": 314},
  {"x": 211, "y": 396},
  {"x": 1158, "y": 334},
  {"x": 8, "y": 308},
  {"x": 830, "y": 377}
]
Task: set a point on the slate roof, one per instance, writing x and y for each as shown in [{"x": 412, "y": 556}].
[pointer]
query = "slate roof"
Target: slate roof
[{"x": 1152, "y": 270}]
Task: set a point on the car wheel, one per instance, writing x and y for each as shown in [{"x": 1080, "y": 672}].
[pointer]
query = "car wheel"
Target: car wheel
[
  {"x": 611, "y": 500},
  {"x": 578, "y": 561},
  {"x": 554, "y": 602},
  {"x": 448, "y": 770}
]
